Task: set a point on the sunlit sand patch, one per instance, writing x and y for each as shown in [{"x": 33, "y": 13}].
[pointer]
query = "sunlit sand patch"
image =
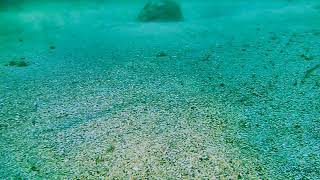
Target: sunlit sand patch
[{"x": 155, "y": 143}]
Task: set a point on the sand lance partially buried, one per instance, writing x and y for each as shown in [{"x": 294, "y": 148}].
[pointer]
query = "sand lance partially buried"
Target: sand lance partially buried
[{"x": 160, "y": 10}]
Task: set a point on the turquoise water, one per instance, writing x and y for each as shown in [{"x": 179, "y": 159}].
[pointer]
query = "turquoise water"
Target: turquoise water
[{"x": 229, "y": 92}]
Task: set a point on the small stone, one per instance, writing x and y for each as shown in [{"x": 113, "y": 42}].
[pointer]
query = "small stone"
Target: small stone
[{"x": 160, "y": 10}]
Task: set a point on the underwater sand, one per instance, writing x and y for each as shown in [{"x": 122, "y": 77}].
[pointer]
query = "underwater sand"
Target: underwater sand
[{"x": 236, "y": 97}]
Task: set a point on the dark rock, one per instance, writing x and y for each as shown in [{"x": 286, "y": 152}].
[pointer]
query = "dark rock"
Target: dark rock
[{"x": 161, "y": 10}]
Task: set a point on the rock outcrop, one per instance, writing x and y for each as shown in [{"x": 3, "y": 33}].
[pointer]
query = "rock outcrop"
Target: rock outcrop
[{"x": 161, "y": 10}]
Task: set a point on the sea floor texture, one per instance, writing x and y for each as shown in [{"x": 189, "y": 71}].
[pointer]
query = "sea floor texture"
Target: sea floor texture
[{"x": 231, "y": 92}]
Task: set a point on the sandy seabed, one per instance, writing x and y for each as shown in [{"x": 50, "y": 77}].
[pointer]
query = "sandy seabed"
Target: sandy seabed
[{"x": 234, "y": 95}]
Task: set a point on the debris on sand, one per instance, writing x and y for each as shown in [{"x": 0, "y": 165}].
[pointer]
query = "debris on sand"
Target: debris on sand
[
  {"x": 306, "y": 57},
  {"x": 161, "y": 54},
  {"x": 18, "y": 63},
  {"x": 160, "y": 10}
]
